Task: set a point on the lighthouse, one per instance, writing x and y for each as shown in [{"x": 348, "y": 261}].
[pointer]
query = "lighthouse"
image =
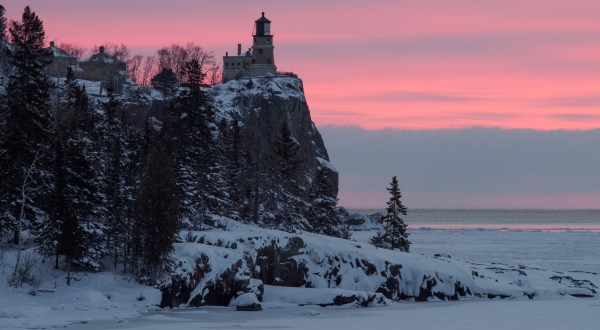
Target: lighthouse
[{"x": 258, "y": 60}]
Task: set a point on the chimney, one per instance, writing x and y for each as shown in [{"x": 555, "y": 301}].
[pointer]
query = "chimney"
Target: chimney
[
  {"x": 101, "y": 49},
  {"x": 239, "y": 49},
  {"x": 52, "y": 44},
  {"x": 226, "y": 54}
]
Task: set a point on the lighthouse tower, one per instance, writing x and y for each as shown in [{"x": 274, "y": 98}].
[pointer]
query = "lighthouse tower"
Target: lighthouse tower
[{"x": 257, "y": 62}]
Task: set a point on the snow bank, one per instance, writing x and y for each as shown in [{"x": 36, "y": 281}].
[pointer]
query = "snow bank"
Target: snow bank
[{"x": 315, "y": 264}]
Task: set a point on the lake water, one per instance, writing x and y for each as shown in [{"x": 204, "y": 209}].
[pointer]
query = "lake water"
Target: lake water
[{"x": 547, "y": 220}]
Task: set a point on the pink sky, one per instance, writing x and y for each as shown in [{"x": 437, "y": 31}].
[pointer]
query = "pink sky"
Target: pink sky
[
  {"x": 424, "y": 64},
  {"x": 411, "y": 65}
]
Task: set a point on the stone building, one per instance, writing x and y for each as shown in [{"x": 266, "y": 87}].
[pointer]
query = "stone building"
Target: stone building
[
  {"x": 104, "y": 68},
  {"x": 60, "y": 61},
  {"x": 258, "y": 60}
]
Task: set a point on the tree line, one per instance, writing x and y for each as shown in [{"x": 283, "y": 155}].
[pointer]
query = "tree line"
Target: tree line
[
  {"x": 89, "y": 186},
  {"x": 141, "y": 68}
]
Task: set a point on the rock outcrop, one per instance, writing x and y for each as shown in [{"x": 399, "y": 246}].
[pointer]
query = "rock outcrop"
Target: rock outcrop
[{"x": 222, "y": 265}]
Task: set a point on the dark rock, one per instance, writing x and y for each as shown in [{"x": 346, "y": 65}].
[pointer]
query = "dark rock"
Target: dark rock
[
  {"x": 344, "y": 300},
  {"x": 249, "y": 308}
]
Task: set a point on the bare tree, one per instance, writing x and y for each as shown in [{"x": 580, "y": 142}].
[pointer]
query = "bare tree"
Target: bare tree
[
  {"x": 121, "y": 52},
  {"x": 26, "y": 190},
  {"x": 73, "y": 49},
  {"x": 175, "y": 56},
  {"x": 148, "y": 70},
  {"x": 134, "y": 67},
  {"x": 215, "y": 74}
]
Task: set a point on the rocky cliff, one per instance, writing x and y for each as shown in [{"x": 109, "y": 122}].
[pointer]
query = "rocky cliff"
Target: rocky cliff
[{"x": 263, "y": 107}]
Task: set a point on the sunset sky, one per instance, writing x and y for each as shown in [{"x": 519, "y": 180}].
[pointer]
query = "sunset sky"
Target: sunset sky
[{"x": 411, "y": 65}]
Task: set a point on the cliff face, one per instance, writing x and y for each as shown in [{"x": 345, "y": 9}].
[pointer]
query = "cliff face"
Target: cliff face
[{"x": 263, "y": 106}]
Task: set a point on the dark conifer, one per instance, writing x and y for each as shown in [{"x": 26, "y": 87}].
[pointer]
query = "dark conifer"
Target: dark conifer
[
  {"x": 394, "y": 235},
  {"x": 323, "y": 213},
  {"x": 156, "y": 216},
  {"x": 2, "y": 24},
  {"x": 165, "y": 81},
  {"x": 73, "y": 200},
  {"x": 288, "y": 150},
  {"x": 28, "y": 120},
  {"x": 188, "y": 133}
]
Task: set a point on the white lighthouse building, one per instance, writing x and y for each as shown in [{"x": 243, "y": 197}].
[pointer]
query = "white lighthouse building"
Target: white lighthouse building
[{"x": 258, "y": 60}]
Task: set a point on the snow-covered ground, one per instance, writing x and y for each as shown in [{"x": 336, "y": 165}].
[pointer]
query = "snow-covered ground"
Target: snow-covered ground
[
  {"x": 568, "y": 313},
  {"x": 108, "y": 301}
]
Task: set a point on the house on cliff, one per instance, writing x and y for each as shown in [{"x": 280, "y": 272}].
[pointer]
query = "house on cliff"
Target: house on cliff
[
  {"x": 105, "y": 68},
  {"x": 60, "y": 60},
  {"x": 259, "y": 60}
]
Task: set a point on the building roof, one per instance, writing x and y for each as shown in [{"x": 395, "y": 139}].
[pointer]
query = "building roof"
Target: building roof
[
  {"x": 263, "y": 19},
  {"x": 57, "y": 52},
  {"x": 102, "y": 57}
]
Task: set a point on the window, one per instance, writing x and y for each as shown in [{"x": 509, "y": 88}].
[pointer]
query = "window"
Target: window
[
  {"x": 268, "y": 40},
  {"x": 260, "y": 51},
  {"x": 268, "y": 61}
]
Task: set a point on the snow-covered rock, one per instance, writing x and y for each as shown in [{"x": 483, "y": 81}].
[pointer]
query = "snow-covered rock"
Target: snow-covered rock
[
  {"x": 246, "y": 302},
  {"x": 220, "y": 266}
]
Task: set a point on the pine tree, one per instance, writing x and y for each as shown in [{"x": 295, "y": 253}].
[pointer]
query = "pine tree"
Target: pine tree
[
  {"x": 188, "y": 134},
  {"x": 323, "y": 214},
  {"x": 69, "y": 229},
  {"x": 2, "y": 24},
  {"x": 4, "y": 68},
  {"x": 232, "y": 138},
  {"x": 157, "y": 216},
  {"x": 394, "y": 235},
  {"x": 287, "y": 149},
  {"x": 114, "y": 185},
  {"x": 28, "y": 120},
  {"x": 165, "y": 81}
]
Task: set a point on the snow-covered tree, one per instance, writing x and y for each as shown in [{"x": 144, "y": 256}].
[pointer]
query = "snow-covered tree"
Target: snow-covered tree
[
  {"x": 394, "y": 235},
  {"x": 69, "y": 229},
  {"x": 157, "y": 216},
  {"x": 114, "y": 185},
  {"x": 323, "y": 213},
  {"x": 232, "y": 138},
  {"x": 27, "y": 119},
  {"x": 188, "y": 134}
]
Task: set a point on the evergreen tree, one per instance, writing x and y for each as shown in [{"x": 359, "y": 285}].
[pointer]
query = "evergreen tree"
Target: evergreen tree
[
  {"x": 232, "y": 138},
  {"x": 394, "y": 235},
  {"x": 323, "y": 214},
  {"x": 288, "y": 150},
  {"x": 136, "y": 152},
  {"x": 157, "y": 215},
  {"x": 188, "y": 134},
  {"x": 114, "y": 185},
  {"x": 69, "y": 229},
  {"x": 28, "y": 121},
  {"x": 165, "y": 81},
  {"x": 2, "y": 24}
]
